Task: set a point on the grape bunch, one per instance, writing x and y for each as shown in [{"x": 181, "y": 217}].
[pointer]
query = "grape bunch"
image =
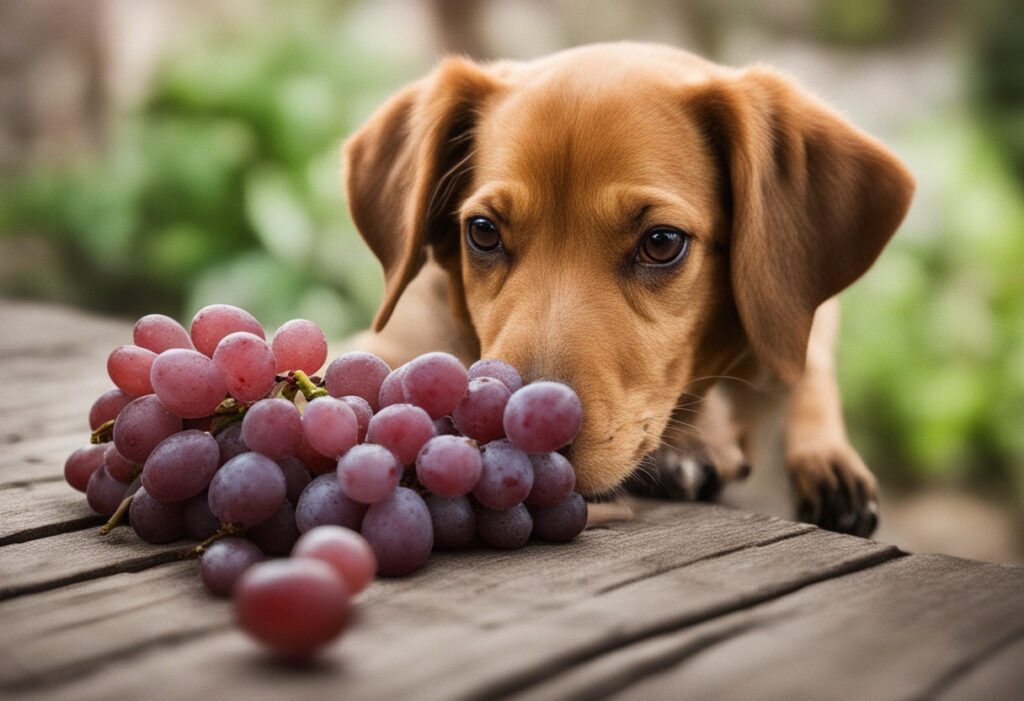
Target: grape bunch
[{"x": 215, "y": 434}]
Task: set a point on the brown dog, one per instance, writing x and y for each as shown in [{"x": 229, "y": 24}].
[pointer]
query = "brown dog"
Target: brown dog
[{"x": 638, "y": 223}]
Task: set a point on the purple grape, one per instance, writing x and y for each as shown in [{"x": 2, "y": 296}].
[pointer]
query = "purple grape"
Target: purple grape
[
  {"x": 181, "y": 466},
  {"x": 553, "y": 479},
  {"x": 230, "y": 443},
  {"x": 200, "y": 523},
  {"x": 81, "y": 465},
  {"x": 391, "y": 391},
  {"x": 357, "y": 373},
  {"x": 317, "y": 463},
  {"x": 402, "y": 429},
  {"x": 188, "y": 383},
  {"x": 542, "y": 417},
  {"x": 453, "y": 520},
  {"x": 449, "y": 465},
  {"x": 497, "y": 369},
  {"x": 273, "y": 427},
  {"x": 331, "y": 426},
  {"x": 342, "y": 548},
  {"x": 296, "y": 477},
  {"x": 104, "y": 493},
  {"x": 506, "y": 478},
  {"x": 435, "y": 382},
  {"x": 300, "y": 344},
  {"x": 247, "y": 365},
  {"x": 363, "y": 411},
  {"x": 561, "y": 522},
  {"x": 140, "y": 427},
  {"x": 368, "y": 473},
  {"x": 156, "y": 521},
  {"x": 277, "y": 534},
  {"x": 158, "y": 333},
  {"x": 400, "y": 532},
  {"x": 247, "y": 490},
  {"x": 225, "y": 561},
  {"x": 323, "y": 503},
  {"x": 508, "y": 529},
  {"x": 480, "y": 413},
  {"x": 129, "y": 367},
  {"x": 212, "y": 323},
  {"x": 120, "y": 469},
  {"x": 106, "y": 407}
]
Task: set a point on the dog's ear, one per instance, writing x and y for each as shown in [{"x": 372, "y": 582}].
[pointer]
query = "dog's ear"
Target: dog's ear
[
  {"x": 403, "y": 167},
  {"x": 812, "y": 200}
]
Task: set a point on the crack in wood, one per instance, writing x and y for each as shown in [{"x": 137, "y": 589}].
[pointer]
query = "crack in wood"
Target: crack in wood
[{"x": 52, "y": 529}]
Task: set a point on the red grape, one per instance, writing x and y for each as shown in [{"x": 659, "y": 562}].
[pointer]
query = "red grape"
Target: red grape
[
  {"x": 156, "y": 521},
  {"x": 82, "y": 463},
  {"x": 330, "y": 426},
  {"x": 399, "y": 531},
  {"x": 357, "y": 373},
  {"x": 188, "y": 383},
  {"x": 300, "y": 344},
  {"x": 247, "y": 366},
  {"x": 497, "y": 369},
  {"x": 214, "y": 322},
  {"x": 181, "y": 466},
  {"x": 140, "y": 427},
  {"x": 225, "y": 561},
  {"x": 158, "y": 333},
  {"x": 247, "y": 490},
  {"x": 449, "y": 465},
  {"x": 561, "y": 522},
  {"x": 106, "y": 407},
  {"x": 402, "y": 429},
  {"x": 129, "y": 368},
  {"x": 368, "y": 473},
  {"x": 435, "y": 382},
  {"x": 273, "y": 427},
  {"x": 480, "y": 413},
  {"x": 342, "y": 548},
  {"x": 506, "y": 478},
  {"x": 542, "y": 417}
]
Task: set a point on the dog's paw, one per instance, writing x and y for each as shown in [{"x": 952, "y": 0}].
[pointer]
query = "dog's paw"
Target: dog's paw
[
  {"x": 668, "y": 473},
  {"x": 835, "y": 489}
]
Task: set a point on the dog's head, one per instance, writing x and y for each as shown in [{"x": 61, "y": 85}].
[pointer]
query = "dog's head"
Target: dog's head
[{"x": 624, "y": 218}]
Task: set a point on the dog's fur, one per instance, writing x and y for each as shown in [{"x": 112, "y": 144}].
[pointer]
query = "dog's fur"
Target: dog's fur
[{"x": 576, "y": 158}]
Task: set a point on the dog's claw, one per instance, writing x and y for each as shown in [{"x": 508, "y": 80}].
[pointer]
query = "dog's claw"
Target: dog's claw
[
  {"x": 828, "y": 501},
  {"x": 672, "y": 475}
]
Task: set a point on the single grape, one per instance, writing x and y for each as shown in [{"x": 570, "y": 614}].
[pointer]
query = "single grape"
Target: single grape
[
  {"x": 330, "y": 426},
  {"x": 368, "y": 473},
  {"x": 357, "y": 373},
  {"x": 542, "y": 417},
  {"x": 435, "y": 382},
  {"x": 230, "y": 443},
  {"x": 140, "y": 427},
  {"x": 247, "y": 365},
  {"x": 323, "y": 503},
  {"x": 214, "y": 322},
  {"x": 399, "y": 531},
  {"x": 561, "y": 522},
  {"x": 247, "y": 490},
  {"x": 506, "y": 478},
  {"x": 82, "y": 463},
  {"x": 453, "y": 520},
  {"x": 343, "y": 549},
  {"x": 300, "y": 344},
  {"x": 402, "y": 429},
  {"x": 224, "y": 562},
  {"x": 129, "y": 367},
  {"x": 277, "y": 534},
  {"x": 200, "y": 522},
  {"x": 103, "y": 493},
  {"x": 294, "y": 605},
  {"x": 449, "y": 465},
  {"x": 391, "y": 391},
  {"x": 363, "y": 411},
  {"x": 507, "y": 529},
  {"x": 187, "y": 382},
  {"x": 181, "y": 466},
  {"x": 481, "y": 411},
  {"x": 316, "y": 462},
  {"x": 296, "y": 477},
  {"x": 273, "y": 427},
  {"x": 553, "y": 479},
  {"x": 119, "y": 468},
  {"x": 106, "y": 407},
  {"x": 497, "y": 369},
  {"x": 158, "y": 333},
  {"x": 156, "y": 521}
]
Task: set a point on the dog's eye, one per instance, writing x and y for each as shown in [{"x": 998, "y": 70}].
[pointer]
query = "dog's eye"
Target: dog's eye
[
  {"x": 482, "y": 234},
  {"x": 662, "y": 246}
]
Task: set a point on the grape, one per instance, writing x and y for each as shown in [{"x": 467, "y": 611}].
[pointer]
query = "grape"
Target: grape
[
  {"x": 119, "y": 468},
  {"x": 561, "y": 522},
  {"x": 141, "y": 425},
  {"x": 273, "y": 427},
  {"x": 542, "y": 417},
  {"x": 246, "y": 490},
  {"x": 435, "y": 382},
  {"x": 225, "y": 561},
  {"x": 402, "y": 429},
  {"x": 497, "y": 369},
  {"x": 446, "y": 427},
  {"x": 480, "y": 412},
  {"x": 230, "y": 443},
  {"x": 106, "y": 407},
  {"x": 200, "y": 523},
  {"x": 300, "y": 345},
  {"x": 216, "y": 321},
  {"x": 399, "y": 531},
  {"x": 453, "y": 520},
  {"x": 368, "y": 473},
  {"x": 323, "y": 503},
  {"x": 181, "y": 466},
  {"x": 296, "y": 477},
  {"x": 187, "y": 382},
  {"x": 553, "y": 479},
  {"x": 104, "y": 493},
  {"x": 391, "y": 391},
  {"x": 357, "y": 373},
  {"x": 317, "y": 463},
  {"x": 363, "y": 411},
  {"x": 508, "y": 529},
  {"x": 293, "y": 605},
  {"x": 156, "y": 521},
  {"x": 158, "y": 333},
  {"x": 344, "y": 550},
  {"x": 448, "y": 465},
  {"x": 81, "y": 465},
  {"x": 330, "y": 426},
  {"x": 129, "y": 367},
  {"x": 277, "y": 534},
  {"x": 247, "y": 365},
  {"x": 506, "y": 478}
]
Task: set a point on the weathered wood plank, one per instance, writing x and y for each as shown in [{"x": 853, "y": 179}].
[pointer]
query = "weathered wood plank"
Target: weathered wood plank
[{"x": 38, "y": 509}]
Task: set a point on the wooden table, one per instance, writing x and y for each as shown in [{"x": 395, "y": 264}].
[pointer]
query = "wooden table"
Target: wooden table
[{"x": 686, "y": 601}]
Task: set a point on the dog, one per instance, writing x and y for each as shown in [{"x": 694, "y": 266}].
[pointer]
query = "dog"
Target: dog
[{"x": 664, "y": 234}]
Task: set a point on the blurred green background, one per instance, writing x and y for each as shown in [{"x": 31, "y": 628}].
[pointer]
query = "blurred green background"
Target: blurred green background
[{"x": 160, "y": 155}]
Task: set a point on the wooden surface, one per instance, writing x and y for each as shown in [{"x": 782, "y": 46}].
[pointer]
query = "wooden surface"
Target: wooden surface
[{"x": 685, "y": 601}]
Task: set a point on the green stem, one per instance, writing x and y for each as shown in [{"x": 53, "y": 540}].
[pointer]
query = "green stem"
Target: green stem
[
  {"x": 118, "y": 515},
  {"x": 103, "y": 433},
  {"x": 309, "y": 390}
]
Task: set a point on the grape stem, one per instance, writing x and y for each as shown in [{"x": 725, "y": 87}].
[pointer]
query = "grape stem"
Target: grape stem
[
  {"x": 309, "y": 390},
  {"x": 118, "y": 515},
  {"x": 225, "y": 530},
  {"x": 103, "y": 433}
]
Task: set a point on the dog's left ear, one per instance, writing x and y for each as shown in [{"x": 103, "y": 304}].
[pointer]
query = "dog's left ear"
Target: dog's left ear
[
  {"x": 813, "y": 203},
  {"x": 402, "y": 169}
]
